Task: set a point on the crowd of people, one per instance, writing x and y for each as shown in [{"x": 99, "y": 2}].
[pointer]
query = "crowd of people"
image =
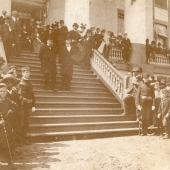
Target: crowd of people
[
  {"x": 153, "y": 49},
  {"x": 150, "y": 100},
  {"x": 16, "y": 103}
]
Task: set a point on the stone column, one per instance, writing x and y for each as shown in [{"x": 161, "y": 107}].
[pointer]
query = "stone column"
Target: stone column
[
  {"x": 136, "y": 26},
  {"x": 5, "y": 5},
  {"x": 77, "y": 11}
]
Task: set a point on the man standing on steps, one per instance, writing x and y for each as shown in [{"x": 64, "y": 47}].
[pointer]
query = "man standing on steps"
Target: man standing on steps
[
  {"x": 67, "y": 63},
  {"x": 126, "y": 47},
  {"x": 28, "y": 101},
  {"x": 47, "y": 57}
]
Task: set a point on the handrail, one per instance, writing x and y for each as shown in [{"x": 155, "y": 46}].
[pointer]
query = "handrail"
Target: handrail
[
  {"x": 160, "y": 59},
  {"x": 112, "y": 79}
]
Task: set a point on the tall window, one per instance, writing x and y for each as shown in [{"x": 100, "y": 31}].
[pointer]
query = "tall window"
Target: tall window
[
  {"x": 161, "y": 3},
  {"x": 120, "y": 24}
]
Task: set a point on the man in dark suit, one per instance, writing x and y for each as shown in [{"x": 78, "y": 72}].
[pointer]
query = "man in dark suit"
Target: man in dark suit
[
  {"x": 75, "y": 36},
  {"x": 7, "y": 37},
  {"x": 67, "y": 63},
  {"x": 47, "y": 57},
  {"x": 15, "y": 27},
  {"x": 2, "y": 18},
  {"x": 126, "y": 47}
]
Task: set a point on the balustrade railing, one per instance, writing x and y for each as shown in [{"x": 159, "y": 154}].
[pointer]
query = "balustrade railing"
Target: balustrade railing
[
  {"x": 115, "y": 54},
  {"x": 160, "y": 59},
  {"x": 113, "y": 80}
]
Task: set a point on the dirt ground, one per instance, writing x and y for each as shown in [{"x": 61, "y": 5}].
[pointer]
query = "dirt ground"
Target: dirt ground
[{"x": 121, "y": 153}]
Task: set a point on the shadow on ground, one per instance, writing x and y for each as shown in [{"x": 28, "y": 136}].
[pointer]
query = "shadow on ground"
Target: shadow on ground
[{"x": 35, "y": 156}]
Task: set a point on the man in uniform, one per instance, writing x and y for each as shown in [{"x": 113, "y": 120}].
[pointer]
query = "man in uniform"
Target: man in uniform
[
  {"x": 129, "y": 100},
  {"x": 126, "y": 47},
  {"x": 28, "y": 101},
  {"x": 145, "y": 102}
]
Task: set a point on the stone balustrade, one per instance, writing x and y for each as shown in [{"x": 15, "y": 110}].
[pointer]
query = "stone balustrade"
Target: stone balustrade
[
  {"x": 115, "y": 54},
  {"x": 112, "y": 79},
  {"x": 160, "y": 59}
]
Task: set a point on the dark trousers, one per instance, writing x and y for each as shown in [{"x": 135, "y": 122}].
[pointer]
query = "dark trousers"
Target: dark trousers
[
  {"x": 26, "y": 121},
  {"x": 47, "y": 79},
  {"x": 125, "y": 54},
  {"x": 66, "y": 80},
  {"x": 8, "y": 49},
  {"x": 87, "y": 61},
  {"x": 129, "y": 104},
  {"x": 17, "y": 52},
  {"x": 146, "y": 105}
]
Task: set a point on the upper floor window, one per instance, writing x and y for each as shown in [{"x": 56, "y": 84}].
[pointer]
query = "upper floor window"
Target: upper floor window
[{"x": 161, "y": 3}]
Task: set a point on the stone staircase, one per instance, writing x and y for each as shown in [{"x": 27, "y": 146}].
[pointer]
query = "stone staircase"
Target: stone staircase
[{"x": 89, "y": 111}]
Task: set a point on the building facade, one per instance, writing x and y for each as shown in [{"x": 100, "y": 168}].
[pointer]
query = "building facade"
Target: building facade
[{"x": 141, "y": 19}]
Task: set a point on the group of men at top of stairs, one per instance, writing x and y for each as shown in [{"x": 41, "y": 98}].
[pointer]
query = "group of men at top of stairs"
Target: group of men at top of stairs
[
  {"x": 149, "y": 100},
  {"x": 17, "y": 101}
]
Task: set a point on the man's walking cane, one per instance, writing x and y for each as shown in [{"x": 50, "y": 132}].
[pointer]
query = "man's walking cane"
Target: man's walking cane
[{"x": 7, "y": 141}]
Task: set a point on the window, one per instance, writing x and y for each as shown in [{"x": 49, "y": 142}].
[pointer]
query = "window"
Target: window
[
  {"x": 161, "y": 3},
  {"x": 120, "y": 24}
]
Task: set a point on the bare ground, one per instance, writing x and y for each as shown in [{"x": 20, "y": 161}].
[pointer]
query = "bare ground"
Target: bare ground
[{"x": 121, "y": 153}]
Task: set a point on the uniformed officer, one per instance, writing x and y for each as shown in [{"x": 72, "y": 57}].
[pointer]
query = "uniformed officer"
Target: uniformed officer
[
  {"x": 28, "y": 100},
  {"x": 146, "y": 102}
]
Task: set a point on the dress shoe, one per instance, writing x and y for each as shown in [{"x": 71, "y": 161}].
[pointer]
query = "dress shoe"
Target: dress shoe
[{"x": 143, "y": 134}]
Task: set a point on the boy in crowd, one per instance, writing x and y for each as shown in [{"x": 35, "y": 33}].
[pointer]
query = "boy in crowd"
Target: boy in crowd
[
  {"x": 7, "y": 147},
  {"x": 28, "y": 100}
]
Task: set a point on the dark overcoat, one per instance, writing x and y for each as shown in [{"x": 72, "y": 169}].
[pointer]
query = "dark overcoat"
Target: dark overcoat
[
  {"x": 47, "y": 57},
  {"x": 66, "y": 60}
]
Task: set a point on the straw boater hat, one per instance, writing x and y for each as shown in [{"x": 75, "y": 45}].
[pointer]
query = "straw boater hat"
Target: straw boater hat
[{"x": 8, "y": 77}]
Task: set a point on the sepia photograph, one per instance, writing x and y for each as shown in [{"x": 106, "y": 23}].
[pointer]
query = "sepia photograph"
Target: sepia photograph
[{"x": 84, "y": 84}]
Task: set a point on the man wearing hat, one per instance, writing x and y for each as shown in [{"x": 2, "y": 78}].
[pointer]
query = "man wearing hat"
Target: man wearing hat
[
  {"x": 15, "y": 30},
  {"x": 126, "y": 47},
  {"x": 15, "y": 116},
  {"x": 75, "y": 36},
  {"x": 97, "y": 38},
  {"x": 146, "y": 102},
  {"x": 63, "y": 28},
  {"x": 88, "y": 46},
  {"x": 2, "y": 18},
  {"x": 67, "y": 50},
  {"x": 47, "y": 57},
  {"x": 129, "y": 100},
  {"x": 28, "y": 100}
]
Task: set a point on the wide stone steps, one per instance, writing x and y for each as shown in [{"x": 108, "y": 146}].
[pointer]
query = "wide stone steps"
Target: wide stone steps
[
  {"x": 77, "y": 104},
  {"x": 88, "y": 111},
  {"x": 76, "y": 111},
  {"x": 75, "y": 93},
  {"x": 73, "y": 99},
  {"x": 78, "y": 119},
  {"x": 40, "y": 128}
]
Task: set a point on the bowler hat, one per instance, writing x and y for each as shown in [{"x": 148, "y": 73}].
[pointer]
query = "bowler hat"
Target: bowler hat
[
  {"x": 2, "y": 85},
  {"x": 75, "y": 24},
  {"x": 61, "y": 21},
  {"x": 8, "y": 77}
]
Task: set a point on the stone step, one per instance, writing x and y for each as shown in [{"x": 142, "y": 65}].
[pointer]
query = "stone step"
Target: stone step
[
  {"x": 79, "y": 119},
  {"x": 77, "y": 75},
  {"x": 41, "y": 83},
  {"x": 37, "y": 69},
  {"x": 85, "y": 134},
  {"x": 72, "y": 98},
  {"x": 65, "y": 127},
  {"x": 73, "y": 88},
  {"x": 77, "y": 104},
  {"x": 76, "y": 111},
  {"x": 75, "y": 93}
]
